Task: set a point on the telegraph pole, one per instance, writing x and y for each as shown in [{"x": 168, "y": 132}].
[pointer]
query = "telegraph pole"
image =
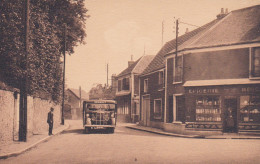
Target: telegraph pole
[
  {"x": 177, "y": 32},
  {"x": 24, "y": 85},
  {"x": 107, "y": 74},
  {"x": 63, "y": 84}
]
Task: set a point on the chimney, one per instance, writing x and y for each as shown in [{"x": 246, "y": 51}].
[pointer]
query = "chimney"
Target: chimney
[
  {"x": 187, "y": 30},
  {"x": 222, "y": 14},
  {"x": 130, "y": 63}
]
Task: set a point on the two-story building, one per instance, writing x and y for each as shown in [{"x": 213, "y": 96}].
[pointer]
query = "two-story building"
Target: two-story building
[
  {"x": 213, "y": 83},
  {"x": 73, "y": 104},
  {"x": 127, "y": 93}
]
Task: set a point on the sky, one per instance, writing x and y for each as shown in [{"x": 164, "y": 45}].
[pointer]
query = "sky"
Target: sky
[{"x": 118, "y": 29}]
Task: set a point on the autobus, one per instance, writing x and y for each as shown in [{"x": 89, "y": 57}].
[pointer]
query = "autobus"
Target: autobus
[{"x": 99, "y": 114}]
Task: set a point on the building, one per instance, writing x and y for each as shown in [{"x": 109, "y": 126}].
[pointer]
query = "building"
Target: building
[
  {"x": 74, "y": 98},
  {"x": 213, "y": 84},
  {"x": 127, "y": 93}
]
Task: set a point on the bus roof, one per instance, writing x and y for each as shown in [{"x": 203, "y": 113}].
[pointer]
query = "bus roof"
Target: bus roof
[{"x": 101, "y": 101}]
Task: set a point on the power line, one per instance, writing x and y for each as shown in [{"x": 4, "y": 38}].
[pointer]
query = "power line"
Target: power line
[{"x": 189, "y": 24}]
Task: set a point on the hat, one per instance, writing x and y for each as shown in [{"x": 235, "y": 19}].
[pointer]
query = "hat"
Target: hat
[{"x": 52, "y": 109}]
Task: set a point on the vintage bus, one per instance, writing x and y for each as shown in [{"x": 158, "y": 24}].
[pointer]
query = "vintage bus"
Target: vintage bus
[{"x": 99, "y": 114}]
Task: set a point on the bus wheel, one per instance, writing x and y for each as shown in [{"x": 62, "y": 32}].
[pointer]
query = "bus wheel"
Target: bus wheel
[
  {"x": 87, "y": 130},
  {"x": 111, "y": 130}
]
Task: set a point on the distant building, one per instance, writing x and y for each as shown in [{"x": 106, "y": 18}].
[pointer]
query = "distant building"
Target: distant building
[
  {"x": 73, "y": 104},
  {"x": 127, "y": 92}
]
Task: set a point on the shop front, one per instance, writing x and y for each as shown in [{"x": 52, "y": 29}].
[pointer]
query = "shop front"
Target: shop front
[{"x": 226, "y": 108}]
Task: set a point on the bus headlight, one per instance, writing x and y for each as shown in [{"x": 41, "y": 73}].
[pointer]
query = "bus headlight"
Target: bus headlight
[{"x": 112, "y": 115}]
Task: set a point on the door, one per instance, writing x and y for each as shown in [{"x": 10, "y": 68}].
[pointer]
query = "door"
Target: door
[
  {"x": 230, "y": 115},
  {"x": 146, "y": 111}
]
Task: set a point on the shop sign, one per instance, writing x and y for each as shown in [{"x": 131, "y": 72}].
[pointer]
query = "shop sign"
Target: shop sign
[
  {"x": 202, "y": 91},
  {"x": 250, "y": 90}
]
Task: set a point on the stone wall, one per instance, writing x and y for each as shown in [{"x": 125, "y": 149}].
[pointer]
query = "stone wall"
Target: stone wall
[
  {"x": 6, "y": 116},
  {"x": 36, "y": 116}
]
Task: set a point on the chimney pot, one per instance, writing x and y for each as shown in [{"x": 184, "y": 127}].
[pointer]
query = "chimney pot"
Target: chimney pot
[
  {"x": 130, "y": 63},
  {"x": 187, "y": 30},
  {"x": 226, "y": 12},
  {"x": 222, "y": 11}
]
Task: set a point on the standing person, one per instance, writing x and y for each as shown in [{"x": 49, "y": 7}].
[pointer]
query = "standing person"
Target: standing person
[{"x": 50, "y": 120}]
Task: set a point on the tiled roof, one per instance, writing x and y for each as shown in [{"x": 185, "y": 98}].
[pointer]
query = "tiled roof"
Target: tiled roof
[
  {"x": 138, "y": 66},
  {"x": 238, "y": 27},
  {"x": 84, "y": 94},
  {"x": 158, "y": 62},
  {"x": 143, "y": 63}
]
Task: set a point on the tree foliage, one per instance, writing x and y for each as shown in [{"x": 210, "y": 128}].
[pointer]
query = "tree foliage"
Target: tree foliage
[
  {"x": 101, "y": 92},
  {"x": 46, "y": 41}
]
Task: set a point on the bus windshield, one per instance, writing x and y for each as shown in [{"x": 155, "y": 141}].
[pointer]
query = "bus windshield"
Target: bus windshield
[{"x": 101, "y": 106}]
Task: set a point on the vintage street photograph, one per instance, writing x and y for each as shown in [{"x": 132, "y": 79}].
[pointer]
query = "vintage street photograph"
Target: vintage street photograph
[{"x": 129, "y": 81}]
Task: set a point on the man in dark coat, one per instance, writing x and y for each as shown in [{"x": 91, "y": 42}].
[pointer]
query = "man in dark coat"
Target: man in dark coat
[{"x": 50, "y": 120}]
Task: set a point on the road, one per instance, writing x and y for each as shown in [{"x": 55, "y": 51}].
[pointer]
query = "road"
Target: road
[{"x": 131, "y": 146}]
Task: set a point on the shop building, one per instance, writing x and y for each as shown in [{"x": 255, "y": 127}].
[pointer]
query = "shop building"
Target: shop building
[{"x": 213, "y": 83}]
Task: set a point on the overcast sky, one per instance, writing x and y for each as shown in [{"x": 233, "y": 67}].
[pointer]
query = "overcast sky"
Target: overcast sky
[{"x": 118, "y": 29}]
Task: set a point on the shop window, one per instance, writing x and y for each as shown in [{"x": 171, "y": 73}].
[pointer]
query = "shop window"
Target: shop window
[
  {"x": 250, "y": 109},
  {"x": 146, "y": 85},
  {"x": 255, "y": 62},
  {"x": 177, "y": 72},
  {"x": 157, "y": 109},
  {"x": 161, "y": 78},
  {"x": 208, "y": 109}
]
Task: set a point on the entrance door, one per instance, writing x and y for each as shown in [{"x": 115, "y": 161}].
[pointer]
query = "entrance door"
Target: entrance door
[
  {"x": 230, "y": 115},
  {"x": 146, "y": 111}
]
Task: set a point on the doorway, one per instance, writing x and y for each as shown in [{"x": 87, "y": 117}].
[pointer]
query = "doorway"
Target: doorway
[
  {"x": 146, "y": 110},
  {"x": 230, "y": 116}
]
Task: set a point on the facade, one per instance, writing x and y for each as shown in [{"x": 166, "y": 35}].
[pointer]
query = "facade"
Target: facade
[
  {"x": 73, "y": 105},
  {"x": 213, "y": 85},
  {"x": 127, "y": 91}
]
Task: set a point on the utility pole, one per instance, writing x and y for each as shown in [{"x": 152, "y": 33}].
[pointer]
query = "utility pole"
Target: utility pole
[
  {"x": 162, "y": 31},
  {"x": 107, "y": 74},
  {"x": 63, "y": 85},
  {"x": 23, "y": 84},
  {"x": 177, "y": 32}
]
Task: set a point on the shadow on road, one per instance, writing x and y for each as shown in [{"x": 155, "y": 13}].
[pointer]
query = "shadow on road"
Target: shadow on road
[{"x": 81, "y": 131}]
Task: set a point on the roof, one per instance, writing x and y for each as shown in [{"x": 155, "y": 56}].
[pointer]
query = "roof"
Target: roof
[
  {"x": 138, "y": 66},
  {"x": 219, "y": 82},
  {"x": 238, "y": 27},
  {"x": 84, "y": 94},
  {"x": 158, "y": 62}
]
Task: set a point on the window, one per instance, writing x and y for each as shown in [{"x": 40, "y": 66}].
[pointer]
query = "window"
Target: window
[
  {"x": 157, "y": 109},
  {"x": 250, "y": 108},
  {"x": 119, "y": 85},
  {"x": 126, "y": 84},
  {"x": 177, "y": 72},
  {"x": 161, "y": 77},
  {"x": 255, "y": 62},
  {"x": 208, "y": 109},
  {"x": 146, "y": 85}
]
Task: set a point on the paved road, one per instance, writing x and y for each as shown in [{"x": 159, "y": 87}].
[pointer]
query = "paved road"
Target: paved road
[{"x": 131, "y": 146}]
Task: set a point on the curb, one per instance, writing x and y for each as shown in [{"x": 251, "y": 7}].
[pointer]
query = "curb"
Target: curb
[
  {"x": 191, "y": 136},
  {"x": 166, "y": 133},
  {"x": 13, "y": 154}
]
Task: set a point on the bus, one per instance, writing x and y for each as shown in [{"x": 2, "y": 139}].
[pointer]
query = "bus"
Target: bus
[{"x": 99, "y": 114}]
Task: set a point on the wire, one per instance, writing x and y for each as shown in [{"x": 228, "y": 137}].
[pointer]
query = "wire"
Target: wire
[{"x": 189, "y": 24}]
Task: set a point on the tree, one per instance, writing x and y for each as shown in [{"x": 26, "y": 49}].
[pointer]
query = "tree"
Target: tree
[
  {"x": 46, "y": 42},
  {"x": 101, "y": 92}
]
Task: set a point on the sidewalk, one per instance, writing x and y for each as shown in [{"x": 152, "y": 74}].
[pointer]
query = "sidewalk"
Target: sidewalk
[
  {"x": 15, "y": 148},
  {"x": 161, "y": 132}
]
